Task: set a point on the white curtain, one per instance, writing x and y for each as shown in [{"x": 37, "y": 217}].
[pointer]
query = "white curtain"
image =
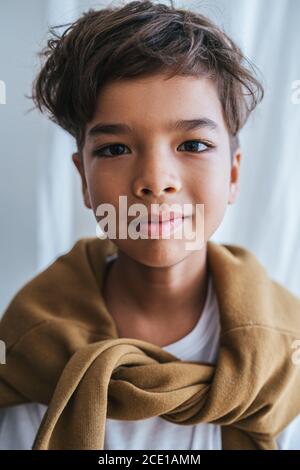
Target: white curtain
[
  {"x": 57, "y": 189},
  {"x": 266, "y": 217},
  {"x": 63, "y": 218}
]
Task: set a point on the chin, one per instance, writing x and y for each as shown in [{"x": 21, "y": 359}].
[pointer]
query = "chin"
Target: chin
[{"x": 158, "y": 253}]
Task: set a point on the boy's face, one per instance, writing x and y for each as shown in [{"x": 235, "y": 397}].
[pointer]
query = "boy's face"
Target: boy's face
[{"x": 154, "y": 163}]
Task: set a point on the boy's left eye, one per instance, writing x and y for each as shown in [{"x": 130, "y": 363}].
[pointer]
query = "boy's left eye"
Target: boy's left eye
[{"x": 195, "y": 146}]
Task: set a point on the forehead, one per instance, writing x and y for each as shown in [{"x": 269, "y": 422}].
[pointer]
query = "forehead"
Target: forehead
[{"x": 150, "y": 102}]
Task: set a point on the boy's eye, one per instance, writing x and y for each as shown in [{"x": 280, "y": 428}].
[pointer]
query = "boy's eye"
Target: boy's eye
[
  {"x": 194, "y": 146},
  {"x": 115, "y": 148}
]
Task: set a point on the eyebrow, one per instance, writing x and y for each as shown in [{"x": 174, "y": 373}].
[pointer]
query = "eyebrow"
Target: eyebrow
[{"x": 183, "y": 124}]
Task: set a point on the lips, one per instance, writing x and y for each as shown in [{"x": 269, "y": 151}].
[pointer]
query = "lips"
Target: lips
[
  {"x": 162, "y": 227},
  {"x": 161, "y": 217}
]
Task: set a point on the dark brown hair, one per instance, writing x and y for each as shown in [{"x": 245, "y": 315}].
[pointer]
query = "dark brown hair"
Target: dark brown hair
[{"x": 138, "y": 39}]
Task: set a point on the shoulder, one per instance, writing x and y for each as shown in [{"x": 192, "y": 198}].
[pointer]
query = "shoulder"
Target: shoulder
[
  {"x": 52, "y": 293},
  {"x": 241, "y": 278}
]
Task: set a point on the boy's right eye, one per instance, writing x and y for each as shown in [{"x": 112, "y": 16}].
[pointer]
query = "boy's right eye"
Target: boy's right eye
[{"x": 115, "y": 148}]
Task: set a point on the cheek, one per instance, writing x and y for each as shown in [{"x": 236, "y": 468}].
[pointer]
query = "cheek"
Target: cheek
[
  {"x": 216, "y": 204},
  {"x": 212, "y": 190},
  {"x": 105, "y": 185}
]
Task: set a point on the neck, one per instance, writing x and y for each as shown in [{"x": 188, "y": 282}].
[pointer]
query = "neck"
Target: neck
[{"x": 172, "y": 295}]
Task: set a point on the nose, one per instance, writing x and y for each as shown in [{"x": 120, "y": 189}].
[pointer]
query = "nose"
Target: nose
[{"x": 155, "y": 178}]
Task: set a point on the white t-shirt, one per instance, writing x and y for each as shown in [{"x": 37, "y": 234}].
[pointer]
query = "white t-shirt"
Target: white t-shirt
[{"x": 19, "y": 424}]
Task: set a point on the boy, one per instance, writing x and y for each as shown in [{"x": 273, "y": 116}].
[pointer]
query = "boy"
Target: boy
[{"x": 140, "y": 343}]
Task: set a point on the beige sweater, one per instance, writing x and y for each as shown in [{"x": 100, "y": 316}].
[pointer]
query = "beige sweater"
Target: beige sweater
[{"x": 63, "y": 350}]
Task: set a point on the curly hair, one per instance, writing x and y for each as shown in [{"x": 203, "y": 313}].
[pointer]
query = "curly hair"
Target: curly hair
[{"x": 138, "y": 39}]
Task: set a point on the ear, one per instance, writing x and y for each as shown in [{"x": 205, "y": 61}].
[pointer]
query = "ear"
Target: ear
[
  {"x": 234, "y": 176},
  {"x": 78, "y": 162}
]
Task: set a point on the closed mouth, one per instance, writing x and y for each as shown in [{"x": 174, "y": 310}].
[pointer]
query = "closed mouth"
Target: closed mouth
[{"x": 161, "y": 219}]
